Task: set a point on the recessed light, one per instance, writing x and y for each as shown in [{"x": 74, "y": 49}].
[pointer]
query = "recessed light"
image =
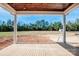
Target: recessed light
[{"x": 24, "y": 8}]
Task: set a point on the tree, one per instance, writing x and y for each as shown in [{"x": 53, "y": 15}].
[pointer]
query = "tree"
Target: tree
[
  {"x": 10, "y": 25},
  {"x": 77, "y": 24},
  {"x": 57, "y": 25},
  {"x": 50, "y": 27},
  {"x": 3, "y": 26},
  {"x": 42, "y": 25},
  {"x": 19, "y": 26},
  {"x": 71, "y": 26}
]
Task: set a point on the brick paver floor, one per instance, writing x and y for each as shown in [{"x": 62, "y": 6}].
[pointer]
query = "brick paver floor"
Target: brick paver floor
[{"x": 35, "y": 50}]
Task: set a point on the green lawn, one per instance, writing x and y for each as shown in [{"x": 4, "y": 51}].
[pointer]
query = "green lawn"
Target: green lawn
[
  {"x": 28, "y": 33},
  {"x": 3, "y": 34},
  {"x": 37, "y": 32}
]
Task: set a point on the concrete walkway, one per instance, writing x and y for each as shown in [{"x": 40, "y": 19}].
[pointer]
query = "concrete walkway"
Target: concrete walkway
[{"x": 35, "y": 50}]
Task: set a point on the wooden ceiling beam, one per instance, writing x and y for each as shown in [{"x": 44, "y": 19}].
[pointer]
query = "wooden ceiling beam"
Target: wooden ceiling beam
[
  {"x": 71, "y": 8},
  {"x": 8, "y": 8},
  {"x": 39, "y": 12}
]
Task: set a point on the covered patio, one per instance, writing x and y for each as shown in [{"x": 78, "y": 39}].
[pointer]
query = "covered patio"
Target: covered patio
[{"x": 57, "y": 48}]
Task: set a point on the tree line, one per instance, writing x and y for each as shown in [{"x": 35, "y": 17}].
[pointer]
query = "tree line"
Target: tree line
[{"x": 39, "y": 25}]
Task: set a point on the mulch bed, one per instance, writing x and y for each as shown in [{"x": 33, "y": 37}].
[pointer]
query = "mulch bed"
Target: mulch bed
[
  {"x": 25, "y": 39},
  {"x": 5, "y": 41},
  {"x": 34, "y": 39}
]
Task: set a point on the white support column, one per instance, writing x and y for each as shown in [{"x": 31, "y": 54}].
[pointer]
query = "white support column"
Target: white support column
[
  {"x": 64, "y": 28},
  {"x": 15, "y": 29}
]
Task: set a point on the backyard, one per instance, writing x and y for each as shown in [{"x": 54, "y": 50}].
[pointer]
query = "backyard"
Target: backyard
[
  {"x": 38, "y": 41},
  {"x": 40, "y": 36},
  {"x": 36, "y": 33}
]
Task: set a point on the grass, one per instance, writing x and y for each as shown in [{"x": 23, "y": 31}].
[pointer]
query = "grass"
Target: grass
[
  {"x": 37, "y": 32},
  {"x": 2, "y": 34}
]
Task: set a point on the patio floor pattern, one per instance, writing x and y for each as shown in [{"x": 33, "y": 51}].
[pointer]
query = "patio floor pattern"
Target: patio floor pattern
[{"x": 35, "y": 50}]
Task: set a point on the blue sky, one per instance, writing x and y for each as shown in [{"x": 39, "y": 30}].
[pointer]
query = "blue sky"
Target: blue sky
[
  {"x": 5, "y": 15},
  {"x": 33, "y": 18}
]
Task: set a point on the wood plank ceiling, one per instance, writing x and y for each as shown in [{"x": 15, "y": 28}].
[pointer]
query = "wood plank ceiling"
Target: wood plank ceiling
[{"x": 40, "y": 6}]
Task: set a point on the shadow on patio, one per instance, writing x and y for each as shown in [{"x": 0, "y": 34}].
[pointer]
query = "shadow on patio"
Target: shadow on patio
[{"x": 70, "y": 48}]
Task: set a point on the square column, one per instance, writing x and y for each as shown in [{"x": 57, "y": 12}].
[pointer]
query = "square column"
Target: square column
[
  {"x": 15, "y": 29},
  {"x": 64, "y": 28}
]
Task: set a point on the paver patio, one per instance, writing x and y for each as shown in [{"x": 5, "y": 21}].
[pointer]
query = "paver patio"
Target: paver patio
[{"x": 35, "y": 50}]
